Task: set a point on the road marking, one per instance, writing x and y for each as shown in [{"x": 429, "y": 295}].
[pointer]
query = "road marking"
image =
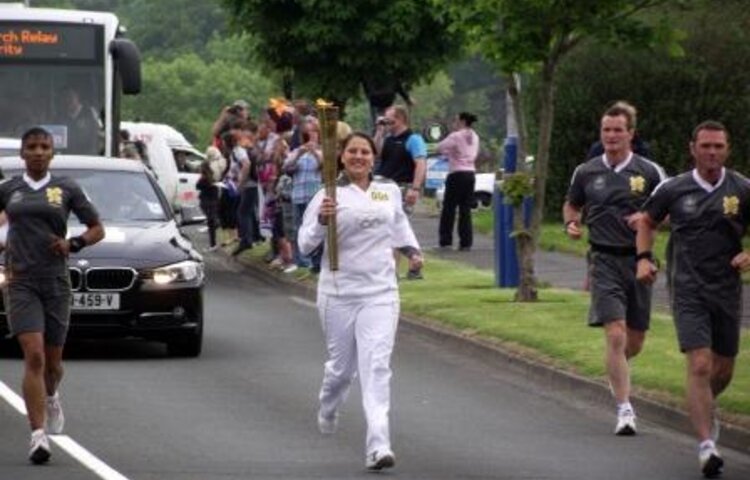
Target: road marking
[
  {"x": 13, "y": 400},
  {"x": 70, "y": 446},
  {"x": 304, "y": 302},
  {"x": 88, "y": 459}
]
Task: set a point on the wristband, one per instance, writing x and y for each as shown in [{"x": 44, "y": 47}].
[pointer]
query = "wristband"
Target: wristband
[
  {"x": 76, "y": 244},
  {"x": 648, "y": 255}
]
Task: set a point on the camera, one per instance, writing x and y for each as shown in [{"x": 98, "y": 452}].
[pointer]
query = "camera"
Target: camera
[{"x": 382, "y": 121}]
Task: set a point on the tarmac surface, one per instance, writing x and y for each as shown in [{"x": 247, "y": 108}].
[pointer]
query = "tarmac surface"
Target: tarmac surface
[{"x": 555, "y": 269}]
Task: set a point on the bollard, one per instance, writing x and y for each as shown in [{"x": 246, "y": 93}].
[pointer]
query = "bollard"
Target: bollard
[{"x": 506, "y": 260}]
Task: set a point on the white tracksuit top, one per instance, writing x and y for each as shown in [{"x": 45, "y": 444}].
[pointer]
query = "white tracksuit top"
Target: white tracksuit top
[{"x": 370, "y": 224}]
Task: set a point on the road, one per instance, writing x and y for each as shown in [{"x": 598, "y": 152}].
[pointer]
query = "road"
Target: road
[{"x": 246, "y": 409}]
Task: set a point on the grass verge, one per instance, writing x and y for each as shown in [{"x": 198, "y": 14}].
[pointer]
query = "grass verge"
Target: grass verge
[{"x": 554, "y": 329}]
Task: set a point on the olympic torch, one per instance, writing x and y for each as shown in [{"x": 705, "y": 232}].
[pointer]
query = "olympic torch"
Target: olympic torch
[{"x": 328, "y": 116}]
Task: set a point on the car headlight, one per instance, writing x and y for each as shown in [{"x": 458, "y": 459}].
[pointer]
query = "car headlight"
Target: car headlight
[{"x": 187, "y": 271}]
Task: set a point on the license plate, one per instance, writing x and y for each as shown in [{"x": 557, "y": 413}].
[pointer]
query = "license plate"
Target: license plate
[{"x": 95, "y": 301}]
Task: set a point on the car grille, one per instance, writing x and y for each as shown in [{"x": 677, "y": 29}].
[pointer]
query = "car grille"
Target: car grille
[
  {"x": 75, "y": 279},
  {"x": 110, "y": 278}
]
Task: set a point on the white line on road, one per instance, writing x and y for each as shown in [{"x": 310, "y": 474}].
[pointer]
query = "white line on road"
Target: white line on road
[
  {"x": 73, "y": 448},
  {"x": 13, "y": 400},
  {"x": 88, "y": 459},
  {"x": 304, "y": 302}
]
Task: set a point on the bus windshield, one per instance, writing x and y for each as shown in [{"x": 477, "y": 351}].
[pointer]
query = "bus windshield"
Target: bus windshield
[{"x": 52, "y": 75}]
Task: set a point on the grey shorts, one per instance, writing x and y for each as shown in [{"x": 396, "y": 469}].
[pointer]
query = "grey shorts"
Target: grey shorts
[
  {"x": 703, "y": 322},
  {"x": 616, "y": 294},
  {"x": 39, "y": 305}
]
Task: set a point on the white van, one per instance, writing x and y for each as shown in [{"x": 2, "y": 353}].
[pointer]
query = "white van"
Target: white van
[
  {"x": 175, "y": 162},
  {"x": 9, "y": 146}
]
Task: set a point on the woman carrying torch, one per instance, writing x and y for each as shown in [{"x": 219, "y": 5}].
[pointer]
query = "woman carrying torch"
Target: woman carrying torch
[{"x": 359, "y": 302}]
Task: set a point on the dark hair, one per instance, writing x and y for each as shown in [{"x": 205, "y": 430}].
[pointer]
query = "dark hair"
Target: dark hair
[
  {"x": 206, "y": 169},
  {"x": 711, "y": 125},
  {"x": 362, "y": 135},
  {"x": 467, "y": 118},
  {"x": 35, "y": 132},
  {"x": 227, "y": 140}
]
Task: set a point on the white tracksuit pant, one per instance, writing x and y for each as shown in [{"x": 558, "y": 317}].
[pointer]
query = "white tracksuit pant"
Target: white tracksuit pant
[{"x": 359, "y": 335}]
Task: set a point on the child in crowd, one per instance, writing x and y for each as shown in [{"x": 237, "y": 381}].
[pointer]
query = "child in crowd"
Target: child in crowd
[{"x": 208, "y": 196}]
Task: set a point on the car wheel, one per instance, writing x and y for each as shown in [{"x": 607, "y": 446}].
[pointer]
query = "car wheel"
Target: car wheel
[
  {"x": 483, "y": 198},
  {"x": 187, "y": 344}
]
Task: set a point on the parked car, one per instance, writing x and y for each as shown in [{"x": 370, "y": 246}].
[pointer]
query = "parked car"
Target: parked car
[
  {"x": 144, "y": 279},
  {"x": 9, "y": 146},
  {"x": 484, "y": 186},
  {"x": 175, "y": 162}
]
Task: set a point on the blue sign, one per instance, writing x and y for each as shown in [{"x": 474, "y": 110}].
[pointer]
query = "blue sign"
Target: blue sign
[{"x": 437, "y": 170}]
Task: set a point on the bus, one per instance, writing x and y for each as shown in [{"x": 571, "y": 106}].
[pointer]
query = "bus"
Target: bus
[{"x": 65, "y": 70}]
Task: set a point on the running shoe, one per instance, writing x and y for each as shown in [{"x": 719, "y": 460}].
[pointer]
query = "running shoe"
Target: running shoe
[
  {"x": 414, "y": 275},
  {"x": 378, "y": 461},
  {"x": 710, "y": 461},
  {"x": 55, "y": 417},
  {"x": 39, "y": 451},
  {"x": 625, "y": 423}
]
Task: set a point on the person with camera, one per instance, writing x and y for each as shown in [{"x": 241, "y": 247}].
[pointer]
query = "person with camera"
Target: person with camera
[
  {"x": 38, "y": 293},
  {"x": 403, "y": 159},
  {"x": 461, "y": 148},
  {"x": 237, "y": 112}
]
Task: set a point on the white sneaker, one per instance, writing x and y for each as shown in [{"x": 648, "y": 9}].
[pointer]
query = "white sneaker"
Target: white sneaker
[
  {"x": 625, "y": 423},
  {"x": 379, "y": 461},
  {"x": 710, "y": 461},
  {"x": 211, "y": 249},
  {"x": 276, "y": 263},
  {"x": 55, "y": 417},
  {"x": 39, "y": 451},
  {"x": 291, "y": 268},
  {"x": 327, "y": 426}
]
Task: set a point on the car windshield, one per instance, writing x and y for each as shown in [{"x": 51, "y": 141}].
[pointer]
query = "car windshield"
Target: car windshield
[{"x": 117, "y": 196}]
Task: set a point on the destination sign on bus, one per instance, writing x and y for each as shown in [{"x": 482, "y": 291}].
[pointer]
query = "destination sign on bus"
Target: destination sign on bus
[{"x": 49, "y": 41}]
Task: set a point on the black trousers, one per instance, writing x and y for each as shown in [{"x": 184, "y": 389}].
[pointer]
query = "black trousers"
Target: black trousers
[{"x": 459, "y": 193}]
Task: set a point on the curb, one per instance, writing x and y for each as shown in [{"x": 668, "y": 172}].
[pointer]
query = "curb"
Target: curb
[{"x": 733, "y": 436}]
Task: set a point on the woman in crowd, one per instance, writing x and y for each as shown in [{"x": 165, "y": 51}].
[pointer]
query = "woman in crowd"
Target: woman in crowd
[
  {"x": 461, "y": 147},
  {"x": 304, "y": 165},
  {"x": 37, "y": 297},
  {"x": 229, "y": 197},
  {"x": 359, "y": 303}
]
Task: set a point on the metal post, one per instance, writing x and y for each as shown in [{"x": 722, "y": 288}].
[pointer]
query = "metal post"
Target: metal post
[{"x": 506, "y": 260}]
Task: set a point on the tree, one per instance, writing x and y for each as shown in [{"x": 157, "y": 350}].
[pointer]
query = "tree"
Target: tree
[
  {"x": 189, "y": 93},
  {"x": 330, "y": 48},
  {"x": 535, "y": 36},
  {"x": 673, "y": 94},
  {"x": 170, "y": 28}
]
